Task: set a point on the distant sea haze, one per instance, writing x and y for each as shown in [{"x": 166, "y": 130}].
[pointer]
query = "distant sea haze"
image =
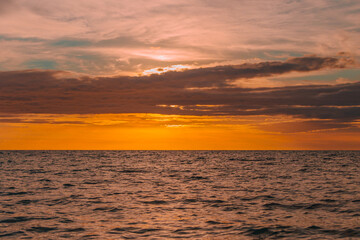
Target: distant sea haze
[{"x": 179, "y": 194}]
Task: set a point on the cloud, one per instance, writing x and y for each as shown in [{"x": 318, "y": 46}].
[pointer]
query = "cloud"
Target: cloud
[
  {"x": 306, "y": 126},
  {"x": 37, "y": 121},
  {"x": 6, "y": 6},
  {"x": 204, "y": 91},
  {"x": 188, "y": 31}
]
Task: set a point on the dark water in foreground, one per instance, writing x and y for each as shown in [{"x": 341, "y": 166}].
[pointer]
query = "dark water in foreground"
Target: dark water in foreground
[{"x": 179, "y": 194}]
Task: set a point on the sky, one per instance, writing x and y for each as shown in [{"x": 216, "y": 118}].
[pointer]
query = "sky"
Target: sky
[{"x": 162, "y": 74}]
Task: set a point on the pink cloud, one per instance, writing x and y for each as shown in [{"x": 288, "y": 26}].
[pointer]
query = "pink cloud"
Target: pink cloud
[{"x": 203, "y": 31}]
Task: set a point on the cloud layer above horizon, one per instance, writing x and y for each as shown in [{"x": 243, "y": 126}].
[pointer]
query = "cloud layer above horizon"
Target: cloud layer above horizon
[{"x": 203, "y": 91}]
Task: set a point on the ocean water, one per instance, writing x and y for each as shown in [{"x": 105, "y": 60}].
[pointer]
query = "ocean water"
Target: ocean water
[{"x": 180, "y": 195}]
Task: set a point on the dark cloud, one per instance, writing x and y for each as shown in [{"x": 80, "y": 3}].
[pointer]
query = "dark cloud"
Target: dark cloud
[
  {"x": 37, "y": 121},
  {"x": 10, "y": 120},
  {"x": 305, "y": 126},
  {"x": 204, "y": 91},
  {"x": 218, "y": 76}
]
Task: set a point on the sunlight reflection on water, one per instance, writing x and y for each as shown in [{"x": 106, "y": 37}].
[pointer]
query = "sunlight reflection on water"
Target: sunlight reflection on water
[{"x": 179, "y": 194}]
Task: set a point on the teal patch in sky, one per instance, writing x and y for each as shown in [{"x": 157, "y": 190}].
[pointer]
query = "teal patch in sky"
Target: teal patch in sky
[
  {"x": 41, "y": 64},
  {"x": 5, "y": 38},
  {"x": 70, "y": 43},
  {"x": 355, "y": 29},
  {"x": 351, "y": 74},
  {"x": 89, "y": 57},
  {"x": 264, "y": 55},
  {"x": 280, "y": 55}
]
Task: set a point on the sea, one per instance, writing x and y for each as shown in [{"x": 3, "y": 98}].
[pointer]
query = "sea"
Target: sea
[{"x": 179, "y": 195}]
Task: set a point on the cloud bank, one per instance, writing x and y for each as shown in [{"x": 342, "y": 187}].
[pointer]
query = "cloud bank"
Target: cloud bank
[{"x": 208, "y": 91}]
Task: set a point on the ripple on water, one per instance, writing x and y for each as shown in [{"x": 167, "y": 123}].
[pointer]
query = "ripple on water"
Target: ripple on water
[
  {"x": 179, "y": 194},
  {"x": 41, "y": 229},
  {"x": 16, "y": 219}
]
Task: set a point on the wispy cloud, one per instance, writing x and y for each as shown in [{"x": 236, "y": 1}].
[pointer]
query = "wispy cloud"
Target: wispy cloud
[{"x": 132, "y": 36}]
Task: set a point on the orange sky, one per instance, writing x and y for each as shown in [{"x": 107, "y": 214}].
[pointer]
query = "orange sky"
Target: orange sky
[{"x": 155, "y": 131}]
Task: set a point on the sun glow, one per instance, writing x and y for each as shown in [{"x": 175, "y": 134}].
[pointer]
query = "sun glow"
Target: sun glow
[
  {"x": 166, "y": 69},
  {"x": 159, "y": 54},
  {"x": 158, "y": 131}
]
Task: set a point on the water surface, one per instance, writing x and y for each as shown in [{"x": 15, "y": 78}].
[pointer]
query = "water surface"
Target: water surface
[{"x": 179, "y": 194}]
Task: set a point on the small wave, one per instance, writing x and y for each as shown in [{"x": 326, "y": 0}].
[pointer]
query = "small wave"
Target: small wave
[
  {"x": 196, "y": 177},
  {"x": 73, "y": 230},
  {"x": 231, "y": 208},
  {"x": 328, "y": 200},
  {"x": 260, "y": 231},
  {"x": 107, "y": 209},
  {"x": 193, "y": 200},
  {"x": 93, "y": 182},
  {"x": 213, "y": 201},
  {"x": 16, "y": 219},
  {"x": 12, "y": 234},
  {"x": 349, "y": 232},
  {"x": 36, "y": 171},
  {"x": 313, "y": 227},
  {"x": 44, "y": 180},
  {"x": 275, "y": 232},
  {"x": 245, "y": 160},
  {"x": 265, "y": 197},
  {"x": 131, "y": 171},
  {"x": 6, "y": 212},
  {"x": 124, "y": 229},
  {"x": 59, "y": 201},
  {"x": 26, "y": 201},
  {"x": 134, "y": 230},
  {"x": 281, "y": 231},
  {"x": 183, "y": 230},
  {"x": 343, "y": 233},
  {"x": 156, "y": 202},
  {"x": 41, "y": 229},
  {"x": 272, "y": 206},
  {"x": 16, "y": 193},
  {"x": 66, "y": 220},
  {"x": 213, "y": 222},
  {"x": 90, "y": 236},
  {"x": 48, "y": 188},
  {"x": 67, "y": 185}
]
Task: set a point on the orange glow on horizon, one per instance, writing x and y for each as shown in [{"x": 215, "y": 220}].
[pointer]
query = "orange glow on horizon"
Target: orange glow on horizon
[{"x": 164, "y": 132}]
